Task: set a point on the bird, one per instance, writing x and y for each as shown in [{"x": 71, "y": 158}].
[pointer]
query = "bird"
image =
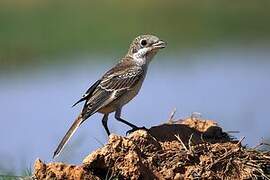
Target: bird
[{"x": 117, "y": 86}]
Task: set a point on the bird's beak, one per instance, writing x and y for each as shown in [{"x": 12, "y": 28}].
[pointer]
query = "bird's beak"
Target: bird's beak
[{"x": 159, "y": 44}]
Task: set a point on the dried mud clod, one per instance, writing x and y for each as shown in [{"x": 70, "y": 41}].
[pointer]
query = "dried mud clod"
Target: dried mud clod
[
  {"x": 187, "y": 149},
  {"x": 60, "y": 171}
]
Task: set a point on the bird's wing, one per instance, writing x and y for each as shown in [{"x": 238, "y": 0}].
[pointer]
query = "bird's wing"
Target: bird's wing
[
  {"x": 114, "y": 83},
  {"x": 88, "y": 93}
]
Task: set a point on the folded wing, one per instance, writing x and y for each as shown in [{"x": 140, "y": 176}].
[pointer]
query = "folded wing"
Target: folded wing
[{"x": 113, "y": 84}]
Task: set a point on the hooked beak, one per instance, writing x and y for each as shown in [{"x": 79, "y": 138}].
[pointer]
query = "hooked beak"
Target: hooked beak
[{"x": 159, "y": 44}]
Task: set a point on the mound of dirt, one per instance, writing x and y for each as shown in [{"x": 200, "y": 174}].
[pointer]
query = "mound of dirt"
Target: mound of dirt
[{"x": 185, "y": 149}]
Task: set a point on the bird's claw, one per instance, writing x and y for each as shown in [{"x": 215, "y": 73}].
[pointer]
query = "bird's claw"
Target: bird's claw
[{"x": 135, "y": 129}]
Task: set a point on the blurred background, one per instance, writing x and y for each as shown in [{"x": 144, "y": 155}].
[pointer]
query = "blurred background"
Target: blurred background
[{"x": 216, "y": 63}]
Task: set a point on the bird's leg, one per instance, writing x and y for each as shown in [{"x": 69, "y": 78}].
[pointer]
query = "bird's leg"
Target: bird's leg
[
  {"x": 104, "y": 122},
  {"x": 118, "y": 117}
]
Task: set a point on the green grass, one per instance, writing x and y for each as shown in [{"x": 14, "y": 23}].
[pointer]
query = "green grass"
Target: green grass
[
  {"x": 31, "y": 29},
  {"x": 11, "y": 177},
  {"x": 25, "y": 175}
]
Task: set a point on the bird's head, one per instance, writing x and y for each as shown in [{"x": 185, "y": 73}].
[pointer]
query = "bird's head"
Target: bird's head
[{"x": 144, "y": 47}]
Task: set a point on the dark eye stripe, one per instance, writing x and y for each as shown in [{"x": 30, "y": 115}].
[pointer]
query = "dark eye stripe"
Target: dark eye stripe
[{"x": 134, "y": 50}]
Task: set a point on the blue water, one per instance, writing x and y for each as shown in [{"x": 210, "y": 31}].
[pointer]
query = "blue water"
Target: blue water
[{"x": 226, "y": 85}]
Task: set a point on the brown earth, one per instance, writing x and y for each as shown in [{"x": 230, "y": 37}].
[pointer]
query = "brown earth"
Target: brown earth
[{"x": 184, "y": 149}]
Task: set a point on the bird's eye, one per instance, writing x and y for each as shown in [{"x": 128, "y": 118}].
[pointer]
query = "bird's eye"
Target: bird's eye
[{"x": 143, "y": 42}]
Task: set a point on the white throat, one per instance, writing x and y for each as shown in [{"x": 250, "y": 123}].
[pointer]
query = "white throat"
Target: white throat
[{"x": 140, "y": 57}]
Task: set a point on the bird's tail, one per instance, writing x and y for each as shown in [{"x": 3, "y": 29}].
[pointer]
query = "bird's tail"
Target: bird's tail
[{"x": 68, "y": 135}]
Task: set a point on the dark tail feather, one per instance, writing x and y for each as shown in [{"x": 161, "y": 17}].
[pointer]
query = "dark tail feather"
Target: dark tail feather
[{"x": 68, "y": 135}]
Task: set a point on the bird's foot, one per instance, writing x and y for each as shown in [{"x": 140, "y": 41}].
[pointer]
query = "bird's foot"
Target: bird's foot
[{"x": 135, "y": 129}]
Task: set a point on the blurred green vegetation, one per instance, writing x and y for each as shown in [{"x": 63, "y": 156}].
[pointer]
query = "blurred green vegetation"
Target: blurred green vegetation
[{"x": 31, "y": 29}]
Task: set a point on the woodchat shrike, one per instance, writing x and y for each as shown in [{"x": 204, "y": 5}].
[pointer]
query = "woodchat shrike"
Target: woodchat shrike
[{"x": 117, "y": 86}]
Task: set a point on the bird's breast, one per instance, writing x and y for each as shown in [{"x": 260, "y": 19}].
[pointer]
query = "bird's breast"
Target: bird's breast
[{"x": 123, "y": 99}]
